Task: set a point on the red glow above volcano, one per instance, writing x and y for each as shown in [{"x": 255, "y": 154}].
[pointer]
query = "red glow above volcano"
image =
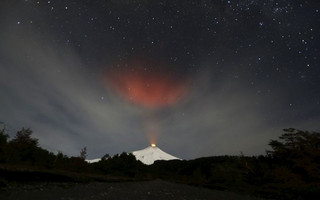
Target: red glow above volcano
[{"x": 147, "y": 86}]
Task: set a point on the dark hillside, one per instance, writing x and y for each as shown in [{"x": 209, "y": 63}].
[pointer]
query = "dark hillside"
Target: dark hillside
[{"x": 289, "y": 171}]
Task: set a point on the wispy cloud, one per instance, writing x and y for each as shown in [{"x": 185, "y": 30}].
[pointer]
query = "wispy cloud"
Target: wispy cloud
[{"x": 50, "y": 88}]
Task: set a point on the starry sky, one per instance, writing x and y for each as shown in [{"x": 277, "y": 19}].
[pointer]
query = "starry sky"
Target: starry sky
[{"x": 198, "y": 78}]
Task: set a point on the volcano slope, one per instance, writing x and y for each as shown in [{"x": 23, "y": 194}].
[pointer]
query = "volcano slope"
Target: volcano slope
[{"x": 156, "y": 189}]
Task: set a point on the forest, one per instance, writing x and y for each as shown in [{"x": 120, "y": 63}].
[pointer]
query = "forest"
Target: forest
[{"x": 291, "y": 170}]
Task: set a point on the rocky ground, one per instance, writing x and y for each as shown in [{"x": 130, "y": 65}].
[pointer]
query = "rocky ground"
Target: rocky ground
[{"x": 156, "y": 189}]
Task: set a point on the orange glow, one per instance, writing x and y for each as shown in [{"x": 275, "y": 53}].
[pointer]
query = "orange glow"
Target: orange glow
[
  {"x": 147, "y": 85},
  {"x": 153, "y": 145}
]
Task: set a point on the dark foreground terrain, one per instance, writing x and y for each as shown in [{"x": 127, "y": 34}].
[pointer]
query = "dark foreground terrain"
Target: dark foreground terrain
[
  {"x": 156, "y": 189},
  {"x": 290, "y": 171}
]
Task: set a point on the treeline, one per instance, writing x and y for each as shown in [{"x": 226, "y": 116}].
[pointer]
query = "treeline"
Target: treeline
[
  {"x": 291, "y": 170},
  {"x": 24, "y": 151}
]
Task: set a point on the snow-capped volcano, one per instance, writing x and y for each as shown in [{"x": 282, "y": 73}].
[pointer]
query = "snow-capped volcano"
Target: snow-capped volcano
[
  {"x": 147, "y": 155},
  {"x": 151, "y": 154}
]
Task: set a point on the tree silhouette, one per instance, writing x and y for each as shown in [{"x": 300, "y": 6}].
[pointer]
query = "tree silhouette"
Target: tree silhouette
[
  {"x": 3, "y": 144},
  {"x": 3, "y": 136},
  {"x": 23, "y": 146},
  {"x": 299, "y": 154},
  {"x": 23, "y": 138},
  {"x": 105, "y": 157},
  {"x": 83, "y": 153}
]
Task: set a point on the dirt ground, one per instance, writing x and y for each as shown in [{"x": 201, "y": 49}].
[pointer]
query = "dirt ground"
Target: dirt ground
[{"x": 156, "y": 189}]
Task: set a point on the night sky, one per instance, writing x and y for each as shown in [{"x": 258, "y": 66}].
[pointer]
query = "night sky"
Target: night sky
[{"x": 199, "y": 78}]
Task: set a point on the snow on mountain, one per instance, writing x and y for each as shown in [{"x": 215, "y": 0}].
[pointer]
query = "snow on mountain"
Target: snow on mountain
[
  {"x": 147, "y": 155},
  {"x": 151, "y": 154},
  {"x": 93, "y": 160}
]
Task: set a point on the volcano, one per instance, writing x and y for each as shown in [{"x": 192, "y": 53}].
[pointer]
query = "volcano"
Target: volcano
[
  {"x": 151, "y": 154},
  {"x": 147, "y": 156}
]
